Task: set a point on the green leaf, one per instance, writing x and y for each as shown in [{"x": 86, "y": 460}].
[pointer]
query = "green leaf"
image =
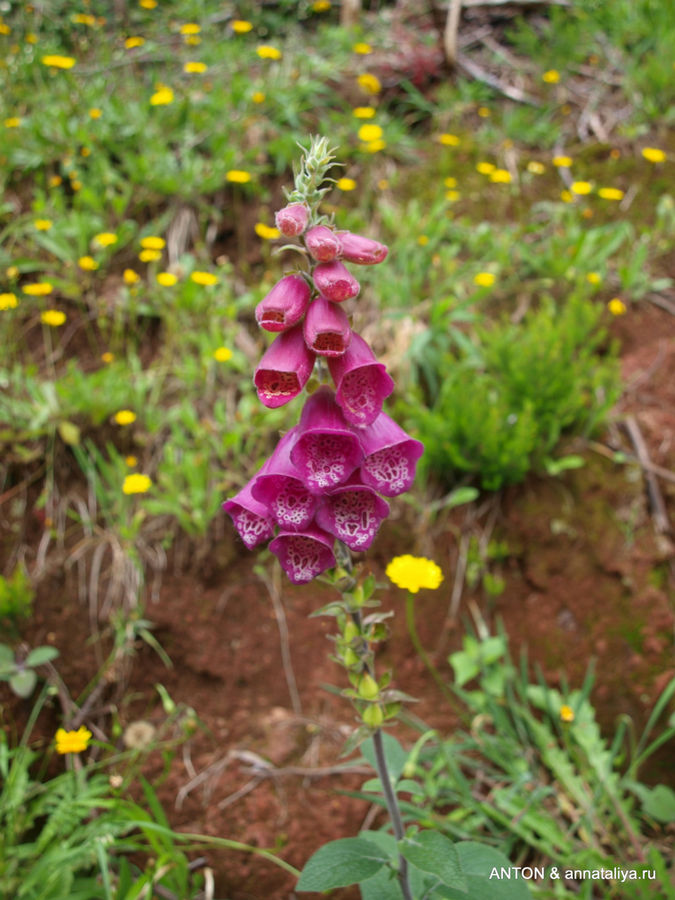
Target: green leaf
[
  {"x": 41, "y": 655},
  {"x": 70, "y": 433},
  {"x": 394, "y": 754},
  {"x": 478, "y": 862},
  {"x": 341, "y": 863},
  {"x": 659, "y": 803},
  {"x": 432, "y": 852},
  {"x": 23, "y": 683},
  {"x": 460, "y": 496}
]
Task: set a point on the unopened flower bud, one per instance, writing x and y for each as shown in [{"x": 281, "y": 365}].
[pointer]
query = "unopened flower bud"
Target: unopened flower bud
[
  {"x": 323, "y": 243},
  {"x": 292, "y": 219},
  {"x": 368, "y": 688},
  {"x": 335, "y": 281},
  {"x": 362, "y": 250},
  {"x": 373, "y": 716}
]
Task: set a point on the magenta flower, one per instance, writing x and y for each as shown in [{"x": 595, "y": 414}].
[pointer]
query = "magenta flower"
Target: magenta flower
[
  {"x": 323, "y": 244},
  {"x": 304, "y": 555},
  {"x": 292, "y": 219},
  {"x": 285, "y": 305},
  {"x": 251, "y": 517},
  {"x": 362, "y": 250},
  {"x": 353, "y": 513},
  {"x": 335, "y": 281},
  {"x": 390, "y": 456},
  {"x": 281, "y": 489},
  {"x": 326, "y": 328},
  {"x": 361, "y": 382},
  {"x": 284, "y": 369},
  {"x": 326, "y": 451}
]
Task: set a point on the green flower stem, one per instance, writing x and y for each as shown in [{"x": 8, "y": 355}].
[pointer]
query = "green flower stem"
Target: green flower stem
[{"x": 421, "y": 652}]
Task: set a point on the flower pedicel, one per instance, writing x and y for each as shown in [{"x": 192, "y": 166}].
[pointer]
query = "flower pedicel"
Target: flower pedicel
[{"x": 323, "y": 482}]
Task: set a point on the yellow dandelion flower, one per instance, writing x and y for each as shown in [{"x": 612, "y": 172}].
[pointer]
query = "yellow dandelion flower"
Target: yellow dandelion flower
[
  {"x": 222, "y": 354},
  {"x": 150, "y": 255},
  {"x": 414, "y": 572},
  {"x": 258, "y": 97},
  {"x": 56, "y": 61},
  {"x": 195, "y": 68},
  {"x": 363, "y": 112},
  {"x": 162, "y": 97},
  {"x": 484, "y": 112},
  {"x": 484, "y": 279},
  {"x": 204, "y": 278},
  {"x": 615, "y": 153},
  {"x": 125, "y": 417},
  {"x": 374, "y": 146},
  {"x": 562, "y": 162},
  {"x": 362, "y": 48},
  {"x": 88, "y": 263},
  {"x": 37, "y": 289},
  {"x": 616, "y": 306},
  {"x": 369, "y": 83},
  {"x": 95, "y": 113},
  {"x": 107, "y": 357},
  {"x": 423, "y": 240},
  {"x": 166, "y": 279},
  {"x": 136, "y": 484},
  {"x": 8, "y": 301},
  {"x": 83, "y": 19},
  {"x": 241, "y": 26},
  {"x": 345, "y": 184},
  {"x": 12, "y": 271},
  {"x": 535, "y": 167},
  {"x": 105, "y": 239},
  {"x": 500, "y": 176},
  {"x": 131, "y": 461},
  {"x": 238, "y": 176},
  {"x": 134, "y": 41},
  {"x": 43, "y": 224},
  {"x": 448, "y": 140},
  {"x": 4, "y": 28},
  {"x": 369, "y": 133},
  {"x": 53, "y": 317},
  {"x": 72, "y": 741},
  {"x": 452, "y": 196},
  {"x": 485, "y": 168},
  {"x": 567, "y": 196},
  {"x": 265, "y": 232},
  {"x": 320, "y": 6},
  {"x": 450, "y": 182},
  {"x": 593, "y": 278},
  {"x": 383, "y": 184},
  {"x": 653, "y": 154},
  {"x": 153, "y": 242},
  {"x": 581, "y": 187},
  {"x": 192, "y": 40},
  {"x": 190, "y": 28},
  {"x": 76, "y": 185},
  {"x": 130, "y": 277},
  {"x": 55, "y": 181},
  {"x": 12, "y": 122},
  {"x": 566, "y": 713},
  {"x": 147, "y": 4},
  {"x": 31, "y": 38},
  {"x": 552, "y": 76},
  {"x": 610, "y": 193},
  {"x": 265, "y": 51}
]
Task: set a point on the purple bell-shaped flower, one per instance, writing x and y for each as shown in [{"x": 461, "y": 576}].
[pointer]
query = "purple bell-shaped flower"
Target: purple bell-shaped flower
[
  {"x": 322, "y": 243},
  {"x": 251, "y": 518},
  {"x": 327, "y": 450},
  {"x": 361, "y": 382},
  {"x": 326, "y": 328},
  {"x": 281, "y": 489},
  {"x": 335, "y": 281},
  {"x": 284, "y": 369},
  {"x": 304, "y": 555},
  {"x": 362, "y": 250},
  {"x": 285, "y": 305},
  {"x": 352, "y": 512},
  {"x": 390, "y": 456},
  {"x": 292, "y": 219}
]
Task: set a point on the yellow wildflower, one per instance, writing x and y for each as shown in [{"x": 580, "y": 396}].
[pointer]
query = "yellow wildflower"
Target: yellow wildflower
[
  {"x": 258, "y": 97},
  {"x": 369, "y": 133},
  {"x": 653, "y": 154},
  {"x": 363, "y": 112},
  {"x": 383, "y": 184},
  {"x": 485, "y": 168},
  {"x": 452, "y": 196},
  {"x": 484, "y": 112},
  {"x": 136, "y": 484},
  {"x": 55, "y": 180},
  {"x": 414, "y": 572},
  {"x": 105, "y": 239},
  {"x": 162, "y": 97},
  {"x": 484, "y": 279},
  {"x": 58, "y": 62},
  {"x": 448, "y": 140},
  {"x": 147, "y": 4},
  {"x": 581, "y": 187},
  {"x": 195, "y": 68},
  {"x": 166, "y": 279},
  {"x": 566, "y": 713},
  {"x": 8, "y": 301},
  {"x": 72, "y": 741},
  {"x": 594, "y": 278},
  {"x": 369, "y": 83},
  {"x": 423, "y": 240},
  {"x": 450, "y": 182},
  {"x": 222, "y": 354},
  {"x": 130, "y": 277},
  {"x": 320, "y": 6},
  {"x": 265, "y": 232},
  {"x": 501, "y": 176},
  {"x": 362, "y": 48},
  {"x": 238, "y": 176},
  {"x": 152, "y": 242},
  {"x": 75, "y": 184},
  {"x": 4, "y": 28},
  {"x": 567, "y": 196},
  {"x": 616, "y": 306},
  {"x": 562, "y": 162},
  {"x": 107, "y": 357},
  {"x": 264, "y": 51},
  {"x": 12, "y": 122},
  {"x": 205, "y": 278},
  {"x": 241, "y": 26},
  {"x": 95, "y": 113},
  {"x": 88, "y": 263},
  {"x": 37, "y": 289},
  {"x": 190, "y": 28},
  {"x": 150, "y": 255},
  {"x": 552, "y": 76},
  {"x": 134, "y": 41},
  {"x": 345, "y": 184},
  {"x": 43, "y": 224},
  {"x": 53, "y": 317},
  {"x": 374, "y": 146},
  {"x": 12, "y": 271},
  {"x": 83, "y": 19},
  {"x": 535, "y": 167},
  {"x": 131, "y": 461},
  {"x": 610, "y": 193},
  {"x": 125, "y": 417}
]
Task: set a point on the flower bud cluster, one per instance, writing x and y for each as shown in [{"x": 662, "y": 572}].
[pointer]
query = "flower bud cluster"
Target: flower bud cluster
[{"x": 325, "y": 477}]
